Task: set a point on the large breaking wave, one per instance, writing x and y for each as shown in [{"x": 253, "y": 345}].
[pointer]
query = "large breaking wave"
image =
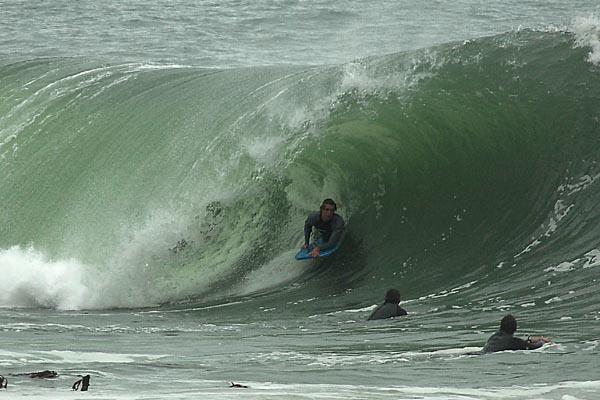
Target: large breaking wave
[{"x": 469, "y": 165}]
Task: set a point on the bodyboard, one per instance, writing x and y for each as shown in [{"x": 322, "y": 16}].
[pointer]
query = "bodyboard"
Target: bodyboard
[{"x": 304, "y": 254}]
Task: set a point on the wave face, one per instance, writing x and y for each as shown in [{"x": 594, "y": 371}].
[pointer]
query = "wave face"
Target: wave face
[{"x": 470, "y": 165}]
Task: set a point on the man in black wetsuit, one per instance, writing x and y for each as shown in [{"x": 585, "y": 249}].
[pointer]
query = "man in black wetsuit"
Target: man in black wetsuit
[
  {"x": 390, "y": 308},
  {"x": 328, "y": 228},
  {"x": 504, "y": 339}
]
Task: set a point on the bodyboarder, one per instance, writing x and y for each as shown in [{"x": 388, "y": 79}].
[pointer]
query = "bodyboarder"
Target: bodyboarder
[{"x": 325, "y": 226}]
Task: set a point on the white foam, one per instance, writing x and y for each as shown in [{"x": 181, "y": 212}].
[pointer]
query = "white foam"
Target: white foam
[
  {"x": 561, "y": 208},
  {"x": 555, "y": 299},
  {"x": 356, "y": 76},
  {"x": 445, "y": 293},
  {"x": 30, "y": 279},
  {"x": 357, "y": 310},
  {"x": 587, "y": 34},
  {"x": 562, "y": 267},
  {"x": 210, "y": 389},
  {"x": 76, "y": 357},
  {"x": 282, "y": 268},
  {"x": 359, "y": 76},
  {"x": 264, "y": 149},
  {"x": 592, "y": 258},
  {"x": 143, "y": 272},
  {"x": 333, "y": 359},
  {"x": 529, "y": 247}
]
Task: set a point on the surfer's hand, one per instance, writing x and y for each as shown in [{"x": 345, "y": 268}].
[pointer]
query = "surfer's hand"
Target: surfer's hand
[
  {"x": 535, "y": 339},
  {"x": 315, "y": 252},
  {"x": 305, "y": 246}
]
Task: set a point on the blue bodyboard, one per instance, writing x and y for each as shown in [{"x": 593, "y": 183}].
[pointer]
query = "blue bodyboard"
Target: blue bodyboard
[{"x": 304, "y": 254}]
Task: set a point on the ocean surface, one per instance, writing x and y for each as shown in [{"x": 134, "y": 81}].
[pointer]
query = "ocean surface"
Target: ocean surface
[{"x": 158, "y": 160}]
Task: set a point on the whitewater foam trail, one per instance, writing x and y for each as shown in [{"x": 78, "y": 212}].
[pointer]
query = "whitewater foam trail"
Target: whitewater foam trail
[{"x": 30, "y": 279}]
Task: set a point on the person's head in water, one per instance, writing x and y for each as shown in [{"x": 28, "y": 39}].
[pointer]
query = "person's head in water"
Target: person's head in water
[
  {"x": 508, "y": 324},
  {"x": 328, "y": 208},
  {"x": 392, "y": 296}
]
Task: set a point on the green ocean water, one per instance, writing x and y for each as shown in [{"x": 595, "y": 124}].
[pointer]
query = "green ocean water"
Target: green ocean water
[{"x": 466, "y": 171}]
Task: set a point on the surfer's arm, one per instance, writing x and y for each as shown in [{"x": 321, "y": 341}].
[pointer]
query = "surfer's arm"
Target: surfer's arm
[
  {"x": 307, "y": 231},
  {"x": 308, "y": 226}
]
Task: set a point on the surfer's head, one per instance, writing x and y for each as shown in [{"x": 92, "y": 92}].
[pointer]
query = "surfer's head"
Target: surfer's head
[
  {"x": 508, "y": 324},
  {"x": 328, "y": 208},
  {"x": 392, "y": 296}
]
